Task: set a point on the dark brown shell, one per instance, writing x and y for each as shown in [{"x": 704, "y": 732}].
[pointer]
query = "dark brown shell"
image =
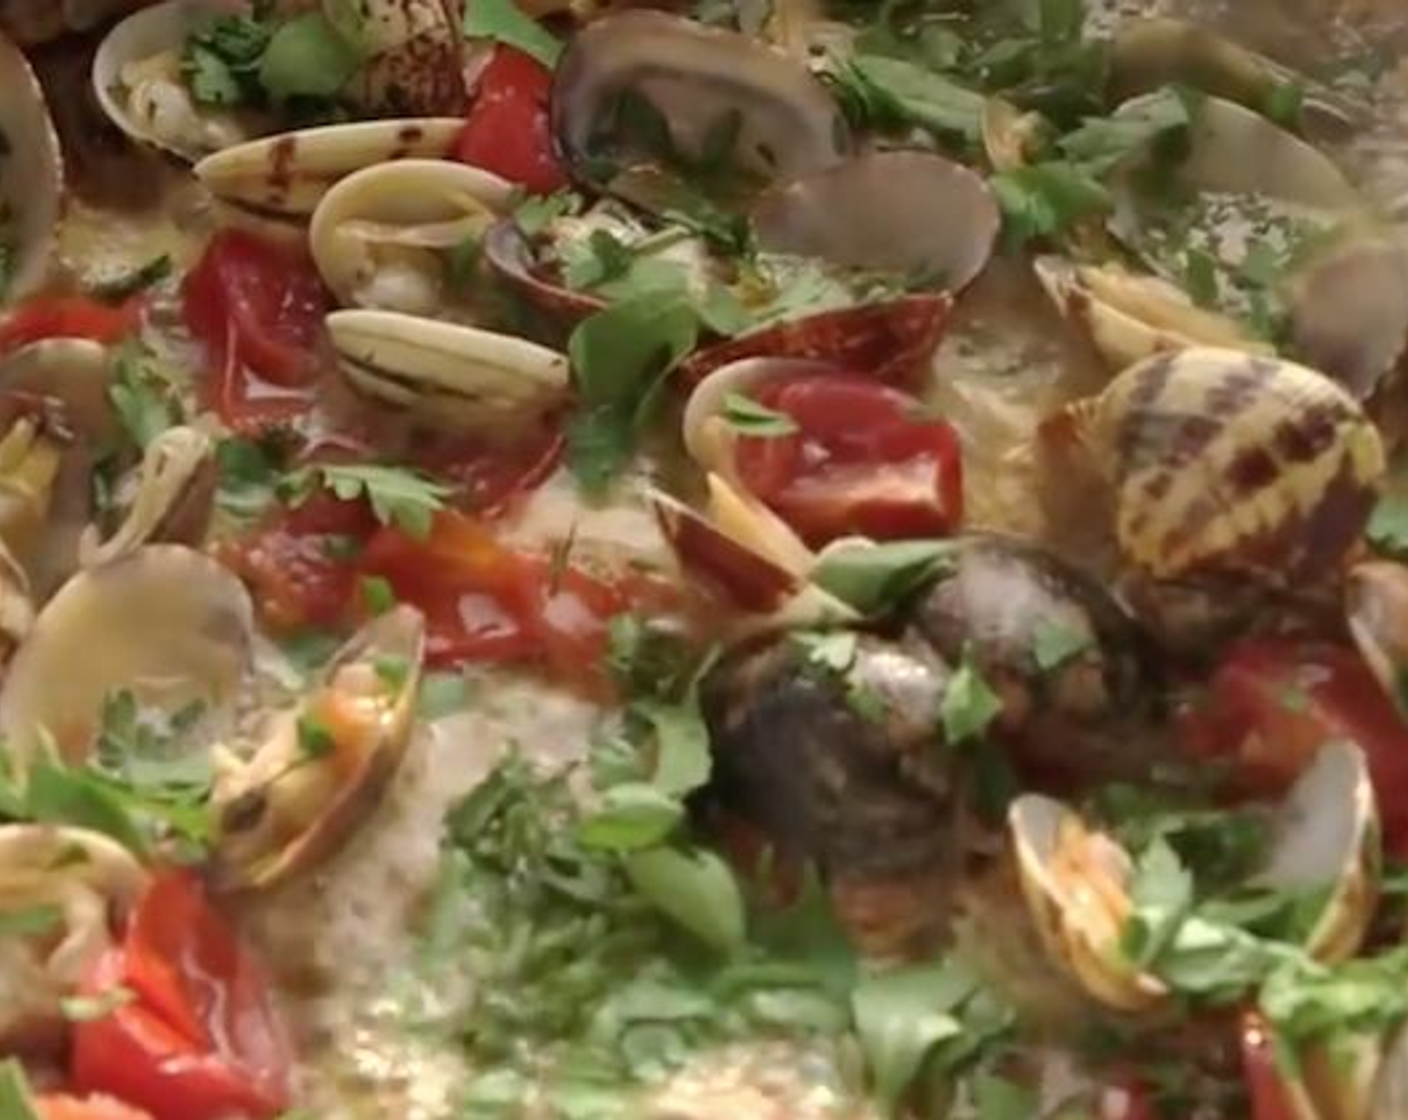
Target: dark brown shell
[
  {"x": 1224, "y": 461},
  {"x": 860, "y": 791},
  {"x": 1071, "y": 667}
]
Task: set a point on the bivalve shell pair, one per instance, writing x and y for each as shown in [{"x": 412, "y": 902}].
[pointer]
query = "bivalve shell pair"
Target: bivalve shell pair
[
  {"x": 1226, "y": 462},
  {"x": 1076, "y": 879}
]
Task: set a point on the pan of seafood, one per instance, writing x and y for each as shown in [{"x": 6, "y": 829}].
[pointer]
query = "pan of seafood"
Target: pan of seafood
[{"x": 710, "y": 560}]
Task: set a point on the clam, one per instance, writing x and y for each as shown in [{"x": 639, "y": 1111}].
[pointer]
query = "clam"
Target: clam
[
  {"x": 60, "y": 418},
  {"x": 458, "y": 376},
  {"x": 634, "y": 84},
  {"x": 281, "y": 179},
  {"x": 1348, "y": 310},
  {"x": 164, "y": 623},
  {"x": 861, "y": 790},
  {"x": 411, "y": 51},
  {"x": 173, "y": 500},
  {"x": 89, "y": 884},
  {"x": 938, "y": 221},
  {"x": 138, "y": 81},
  {"x": 383, "y": 237},
  {"x": 1222, "y": 461},
  {"x": 1068, "y": 664},
  {"x": 324, "y": 766},
  {"x": 1130, "y": 317},
  {"x": 512, "y": 257},
  {"x": 1076, "y": 879},
  {"x": 1376, "y": 609},
  {"x": 893, "y": 340},
  {"x": 31, "y": 178},
  {"x": 16, "y": 605},
  {"x": 1147, "y": 54}
]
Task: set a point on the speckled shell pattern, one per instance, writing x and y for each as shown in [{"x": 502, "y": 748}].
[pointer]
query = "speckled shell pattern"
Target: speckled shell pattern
[{"x": 1223, "y": 461}]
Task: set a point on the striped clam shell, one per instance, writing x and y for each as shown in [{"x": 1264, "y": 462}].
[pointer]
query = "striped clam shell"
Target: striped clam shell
[{"x": 1226, "y": 461}]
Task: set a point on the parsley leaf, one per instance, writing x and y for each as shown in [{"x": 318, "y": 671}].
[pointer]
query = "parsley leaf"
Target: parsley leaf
[
  {"x": 1387, "y": 530},
  {"x": 505, "y": 22},
  {"x": 747, "y": 417},
  {"x": 969, "y": 705},
  {"x": 1053, "y": 644},
  {"x": 631, "y": 816},
  {"x": 249, "y": 472},
  {"x": 620, "y": 356},
  {"x": 143, "y": 393},
  {"x": 315, "y": 740},
  {"x": 1102, "y": 142},
  {"x": 874, "y": 578},
  {"x": 398, "y": 496},
  {"x": 307, "y": 58},
  {"x": 16, "y": 1099},
  {"x": 1046, "y": 199},
  {"x": 135, "y": 280},
  {"x": 889, "y": 93}
]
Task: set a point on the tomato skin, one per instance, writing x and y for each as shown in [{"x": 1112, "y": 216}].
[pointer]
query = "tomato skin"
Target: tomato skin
[
  {"x": 507, "y": 130},
  {"x": 1273, "y": 703},
  {"x": 56, "y": 1106},
  {"x": 199, "y": 1040},
  {"x": 258, "y": 309},
  {"x": 68, "y": 317},
  {"x": 859, "y": 464}
]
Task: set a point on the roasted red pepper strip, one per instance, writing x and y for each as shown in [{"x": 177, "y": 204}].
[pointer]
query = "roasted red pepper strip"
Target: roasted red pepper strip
[{"x": 198, "y": 1039}]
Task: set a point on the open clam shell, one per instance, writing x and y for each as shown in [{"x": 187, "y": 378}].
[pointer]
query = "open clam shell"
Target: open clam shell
[
  {"x": 139, "y": 85},
  {"x": 92, "y": 883},
  {"x": 705, "y": 84},
  {"x": 31, "y": 177},
  {"x": 1147, "y": 54},
  {"x": 281, "y": 179},
  {"x": 1130, "y": 317},
  {"x": 1348, "y": 310},
  {"x": 938, "y": 220},
  {"x": 325, "y": 766},
  {"x": 461, "y": 377},
  {"x": 511, "y": 256},
  {"x": 50, "y": 470},
  {"x": 1076, "y": 880},
  {"x": 165, "y": 623},
  {"x": 173, "y": 501},
  {"x": 382, "y": 236},
  {"x": 893, "y": 340}
]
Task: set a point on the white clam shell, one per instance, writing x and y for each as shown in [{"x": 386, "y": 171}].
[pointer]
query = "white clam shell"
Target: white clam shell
[
  {"x": 165, "y": 622},
  {"x": 31, "y": 174},
  {"x": 461, "y": 377},
  {"x": 282, "y": 813},
  {"x": 282, "y": 178},
  {"x": 1324, "y": 834},
  {"x": 1130, "y": 317},
  {"x": 386, "y": 229},
  {"x": 156, "y": 109}
]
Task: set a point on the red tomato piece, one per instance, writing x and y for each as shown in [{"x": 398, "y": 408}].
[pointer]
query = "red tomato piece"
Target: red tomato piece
[
  {"x": 258, "y": 308},
  {"x": 53, "y": 1106},
  {"x": 68, "y": 317},
  {"x": 200, "y": 1039},
  {"x": 507, "y": 130},
  {"x": 1273, "y": 703},
  {"x": 860, "y": 462}
]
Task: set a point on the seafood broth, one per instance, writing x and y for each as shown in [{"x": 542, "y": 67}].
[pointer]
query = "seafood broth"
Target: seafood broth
[{"x": 794, "y": 561}]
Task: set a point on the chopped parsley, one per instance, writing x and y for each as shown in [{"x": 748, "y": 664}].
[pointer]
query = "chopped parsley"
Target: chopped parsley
[
  {"x": 969, "y": 706},
  {"x": 749, "y": 418}
]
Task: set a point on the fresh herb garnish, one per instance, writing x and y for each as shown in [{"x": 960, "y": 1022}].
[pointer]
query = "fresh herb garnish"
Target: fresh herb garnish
[
  {"x": 747, "y": 417},
  {"x": 505, "y": 22},
  {"x": 969, "y": 705},
  {"x": 143, "y": 391},
  {"x": 398, "y": 496}
]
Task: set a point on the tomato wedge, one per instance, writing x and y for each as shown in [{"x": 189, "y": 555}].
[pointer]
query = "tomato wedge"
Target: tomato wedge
[
  {"x": 859, "y": 462},
  {"x": 507, "y": 130},
  {"x": 199, "y": 1039},
  {"x": 1273, "y": 703},
  {"x": 258, "y": 309},
  {"x": 59, "y": 1107},
  {"x": 68, "y": 317}
]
